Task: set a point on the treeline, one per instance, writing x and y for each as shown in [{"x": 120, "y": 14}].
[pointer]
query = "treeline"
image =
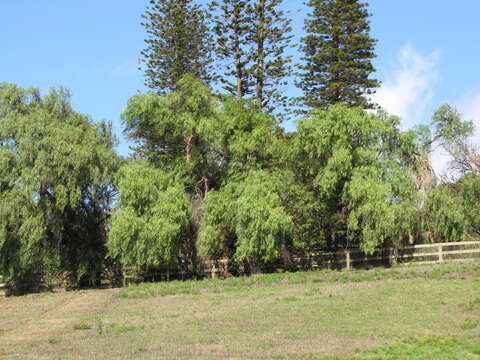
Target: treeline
[
  {"x": 244, "y": 48},
  {"x": 212, "y": 174}
]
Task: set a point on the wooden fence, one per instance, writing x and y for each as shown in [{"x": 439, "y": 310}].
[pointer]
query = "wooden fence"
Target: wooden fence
[
  {"x": 356, "y": 259},
  {"x": 341, "y": 260},
  {"x": 425, "y": 254},
  {"x": 346, "y": 259}
]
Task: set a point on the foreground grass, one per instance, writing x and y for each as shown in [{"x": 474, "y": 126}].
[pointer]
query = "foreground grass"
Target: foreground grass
[{"x": 402, "y": 313}]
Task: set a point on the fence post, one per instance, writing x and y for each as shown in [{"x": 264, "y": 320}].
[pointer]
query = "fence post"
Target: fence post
[
  {"x": 393, "y": 257},
  {"x": 347, "y": 259},
  {"x": 213, "y": 271},
  {"x": 440, "y": 253}
]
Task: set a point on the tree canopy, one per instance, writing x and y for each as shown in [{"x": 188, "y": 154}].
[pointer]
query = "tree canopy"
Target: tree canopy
[
  {"x": 337, "y": 55},
  {"x": 216, "y": 177},
  {"x": 178, "y": 43},
  {"x": 190, "y": 146},
  {"x": 56, "y": 185}
]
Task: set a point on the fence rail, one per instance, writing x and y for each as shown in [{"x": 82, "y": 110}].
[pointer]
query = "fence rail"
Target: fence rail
[
  {"x": 356, "y": 259},
  {"x": 431, "y": 253},
  {"x": 345, "y": 259}
]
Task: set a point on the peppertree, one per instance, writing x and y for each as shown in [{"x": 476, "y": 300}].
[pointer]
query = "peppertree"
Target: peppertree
[
  {"x": 247, "y": 219},
  {"x": 152, "y": 216},
  {"x": 56, "y": 188},
  {"x": 190, "y": 148},
  {"x": 351, "y": 162},
  {"x": 178, "y": 43},
  {"x": 337, "y": 54},
  {"x": 468, "y": 187}
]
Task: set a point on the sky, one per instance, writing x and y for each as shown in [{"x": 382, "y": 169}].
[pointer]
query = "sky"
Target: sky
[{"x": 427, "y": 54}]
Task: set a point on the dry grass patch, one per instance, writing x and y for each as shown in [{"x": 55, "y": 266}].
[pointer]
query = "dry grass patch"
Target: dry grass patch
[{"x": 278, "y": 316}]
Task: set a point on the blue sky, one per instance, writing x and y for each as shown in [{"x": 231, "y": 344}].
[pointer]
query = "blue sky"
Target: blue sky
[{"x": 428, "y": 53}]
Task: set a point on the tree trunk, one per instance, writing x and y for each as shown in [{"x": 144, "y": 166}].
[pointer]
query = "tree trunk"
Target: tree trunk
[
  {"x": 188, "y": 147},
  {"x": 239, "y": 75},
  {"x": 239, "y": 71},
  {"x": 260, "y": 73}
]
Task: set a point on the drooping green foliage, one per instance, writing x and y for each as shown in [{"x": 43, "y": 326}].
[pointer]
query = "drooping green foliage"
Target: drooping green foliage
[
  {"x": 56, "y": 186},
  {"x": 152, "y": 217},
  {"x": 215, "y": 177},
  {"x": 382, "y": 207},
  {"x": 169, "y": 129},
  {"x": 351, "y": 163},
  {"x": 190, "y": 133},
  {"x": 345, "y": 178},
  {"x": 198, "y": 144},
  {"x": 454, "y": 134},
  {"x": 178, "y": 44},
  {"x": 246, "y": 219},
  {"x": 445, "y": 217},
  {"x": 337, "y": 54},
  {"x": 449, "y": 131},
  {"x": 468, "y": 189}
]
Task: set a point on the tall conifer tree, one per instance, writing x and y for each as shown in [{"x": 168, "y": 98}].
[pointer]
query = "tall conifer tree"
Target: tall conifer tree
[
  {"x": 230, "y": 27},
  {"x": 270, "y": 37},
  {"x": 252, "y": 37},
  {"x": 337, "y": 57},
  {"x": 178, "y": 43}
]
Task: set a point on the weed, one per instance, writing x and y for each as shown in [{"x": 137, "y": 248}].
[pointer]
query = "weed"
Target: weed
[
  {"x": 125, "y": 328},
  {"x": 99, "y": 326},
  {"x": 82, "y": 326},
  {"x": 469, "y": 324},
  {"x": 122, "y": 329},
  {"x": 140, "y": 350},
  {"x": 314, "y": 291},
  {"x": 53, "y": 341},
  {"x": 474, "y": 304},
  {"x": 475, "y": 349},
  {"x": 290, "y": 299}
]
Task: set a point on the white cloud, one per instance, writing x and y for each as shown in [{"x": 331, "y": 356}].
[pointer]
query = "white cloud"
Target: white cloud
[{"x": 408, "y": 92}]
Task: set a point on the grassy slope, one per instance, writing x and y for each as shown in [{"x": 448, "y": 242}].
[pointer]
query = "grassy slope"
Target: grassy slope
[{"x": 405, "y": 313}]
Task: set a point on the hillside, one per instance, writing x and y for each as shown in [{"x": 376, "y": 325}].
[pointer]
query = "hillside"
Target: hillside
[{"x": 406, "y": 312}]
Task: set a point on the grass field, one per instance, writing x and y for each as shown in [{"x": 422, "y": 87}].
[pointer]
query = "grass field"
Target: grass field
[{"x": 402, "y": 313}]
